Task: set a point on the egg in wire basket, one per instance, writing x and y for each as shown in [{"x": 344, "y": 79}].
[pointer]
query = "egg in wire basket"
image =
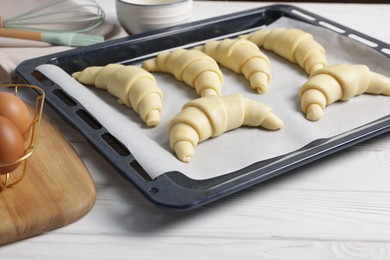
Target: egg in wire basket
[{"x": 11, "y": 138}]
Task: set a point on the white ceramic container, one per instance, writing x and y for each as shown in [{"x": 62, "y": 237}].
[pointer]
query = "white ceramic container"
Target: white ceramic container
[{"x": 137, "y": 16}]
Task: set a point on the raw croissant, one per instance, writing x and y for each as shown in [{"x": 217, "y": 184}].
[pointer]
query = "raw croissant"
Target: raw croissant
[
  {"x": 243, "y": 57},
  {"x": 133, "y": 86},
  {"x": 339, "y": 82},
  {"x": 294, "y": 45},
  {"x": 211, "y": 116},
  {"x": 195, "y": 68}
]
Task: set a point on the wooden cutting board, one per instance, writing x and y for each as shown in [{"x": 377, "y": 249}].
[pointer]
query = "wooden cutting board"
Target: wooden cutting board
[{"x": 57, "y": 190}]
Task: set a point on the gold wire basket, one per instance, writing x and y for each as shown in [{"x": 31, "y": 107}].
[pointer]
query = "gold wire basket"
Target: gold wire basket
[{"x": 12, "y": 178}]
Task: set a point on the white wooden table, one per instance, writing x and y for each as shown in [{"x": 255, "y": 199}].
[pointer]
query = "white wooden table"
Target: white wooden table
[{"x": 338, "y": 208}]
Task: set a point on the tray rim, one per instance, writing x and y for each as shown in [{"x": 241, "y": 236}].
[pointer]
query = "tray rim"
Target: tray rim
[{"x": 163, "y": 190}]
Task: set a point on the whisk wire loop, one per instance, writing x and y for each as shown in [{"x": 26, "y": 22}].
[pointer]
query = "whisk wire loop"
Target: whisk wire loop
[{"x": 86, "y": 14}]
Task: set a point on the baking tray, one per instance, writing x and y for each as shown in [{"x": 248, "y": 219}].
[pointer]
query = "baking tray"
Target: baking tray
[{"x": 174, "y": 189}]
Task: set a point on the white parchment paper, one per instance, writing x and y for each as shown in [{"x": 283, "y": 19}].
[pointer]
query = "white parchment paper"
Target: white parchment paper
[{"x": 244, "y": 146}]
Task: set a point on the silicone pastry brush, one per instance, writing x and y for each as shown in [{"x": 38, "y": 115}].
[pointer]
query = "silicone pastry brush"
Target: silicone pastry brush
[{"x": 59, "y": 38}]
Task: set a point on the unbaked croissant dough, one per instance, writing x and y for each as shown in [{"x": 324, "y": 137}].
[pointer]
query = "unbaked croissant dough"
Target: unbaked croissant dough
[
  {"x": 339, "y": 82},
  {"x": 294, "y": 45},
  {"x": 133, "y": 86},
  {"x": 211, "y": 116},
  {"x": 243, "y": 57},
  {"x": 195, "y": 68}
]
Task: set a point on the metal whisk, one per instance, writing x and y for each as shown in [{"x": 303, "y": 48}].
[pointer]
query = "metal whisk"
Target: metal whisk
[
  {"x": 62, "y": 19},
  {"x": 77, "y": 16}
]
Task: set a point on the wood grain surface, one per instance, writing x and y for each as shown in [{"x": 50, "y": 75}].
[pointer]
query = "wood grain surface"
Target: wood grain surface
[
  {"x": 56, "y": 190},
  {"x": 337, "y": 208}
]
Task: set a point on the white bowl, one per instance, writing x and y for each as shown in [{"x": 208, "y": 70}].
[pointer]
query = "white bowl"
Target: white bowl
[{"x": 138, "y": 16}]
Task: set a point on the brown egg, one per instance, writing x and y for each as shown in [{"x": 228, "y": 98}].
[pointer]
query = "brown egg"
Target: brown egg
[
  {"x": 13, "y": 108},
  {"x": 11, "y": 145}
]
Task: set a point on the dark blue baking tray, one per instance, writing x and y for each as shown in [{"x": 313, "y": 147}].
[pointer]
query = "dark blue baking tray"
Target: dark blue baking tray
[{"x": 173, "y": 189}]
